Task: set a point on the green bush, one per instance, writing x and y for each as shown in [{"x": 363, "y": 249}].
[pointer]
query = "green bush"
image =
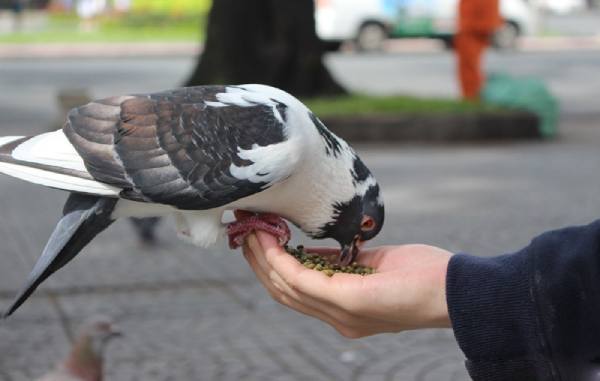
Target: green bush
[
  {"x": 133, "y": 26},
  {"x": 366, "y": 105},
  {"x": 176, "y": 7}
]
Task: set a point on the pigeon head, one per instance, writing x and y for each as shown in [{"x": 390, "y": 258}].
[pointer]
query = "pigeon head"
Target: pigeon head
[
  {"x": 98, "y": 332},
  {"x": 359, "y": 219},
  {"x": 84, "y": 362},
  {"x": 355, "y": 222}
]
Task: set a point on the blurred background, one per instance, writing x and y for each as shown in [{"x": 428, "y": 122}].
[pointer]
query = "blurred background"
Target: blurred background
[{"x": 481, "y": 176}]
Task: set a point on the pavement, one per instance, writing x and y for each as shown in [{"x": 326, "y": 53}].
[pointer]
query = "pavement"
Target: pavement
[
  {"x": 99, "y": 49},
  {"x": 172, "y": 49},
  {"x": 192, "y": 314}
]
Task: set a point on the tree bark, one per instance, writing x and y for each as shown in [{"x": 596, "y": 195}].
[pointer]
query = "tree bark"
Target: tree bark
[{"x": 272, "y": 42}]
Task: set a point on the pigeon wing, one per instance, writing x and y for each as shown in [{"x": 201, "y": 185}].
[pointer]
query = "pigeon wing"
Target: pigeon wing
[{"x": 192, "y": 148}]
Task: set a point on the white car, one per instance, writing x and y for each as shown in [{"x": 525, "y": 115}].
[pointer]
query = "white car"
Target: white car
[
  {"x": 562, "y": 7},
  {"x": 370, "y": 22}
]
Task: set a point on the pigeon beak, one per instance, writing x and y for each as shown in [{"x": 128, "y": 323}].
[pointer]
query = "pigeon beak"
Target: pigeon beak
[{"x": 350, "y": 251}]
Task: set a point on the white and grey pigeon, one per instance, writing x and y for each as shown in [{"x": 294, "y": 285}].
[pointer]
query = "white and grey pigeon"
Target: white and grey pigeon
[
  {"x": 195, "y": 153},
  {"x": 86, "y": 357}
]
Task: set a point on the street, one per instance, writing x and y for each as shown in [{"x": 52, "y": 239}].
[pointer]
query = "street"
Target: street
[
  {"x": 192, "y": 314},
  {"x": 571, "y": 75}
]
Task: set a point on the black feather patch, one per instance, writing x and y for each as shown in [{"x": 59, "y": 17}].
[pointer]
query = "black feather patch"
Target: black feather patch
[
  {"x": 281, "y": 108},
  {"x": 332, "y": 144},
  {"x": 360, "y": 172},
  {"x": 347, "y": 217}
]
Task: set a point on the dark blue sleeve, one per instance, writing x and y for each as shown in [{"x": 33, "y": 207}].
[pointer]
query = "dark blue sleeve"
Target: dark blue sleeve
[{"x": 532, "y": 315}]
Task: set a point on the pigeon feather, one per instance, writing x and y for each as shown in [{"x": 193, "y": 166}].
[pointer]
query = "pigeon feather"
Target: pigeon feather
[{"x": 195, "y": 153}]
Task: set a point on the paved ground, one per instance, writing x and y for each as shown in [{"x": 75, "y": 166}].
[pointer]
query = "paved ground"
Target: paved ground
[
  {"x": 193, "y": 314},
  {"x": 570, "y": 75}
]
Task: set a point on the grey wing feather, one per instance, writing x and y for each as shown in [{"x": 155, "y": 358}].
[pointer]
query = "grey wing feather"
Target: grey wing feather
[{"x": 171, "y": 147}]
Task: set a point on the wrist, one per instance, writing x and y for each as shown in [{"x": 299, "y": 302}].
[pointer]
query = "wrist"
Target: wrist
[{"x": 435, "y": 311}]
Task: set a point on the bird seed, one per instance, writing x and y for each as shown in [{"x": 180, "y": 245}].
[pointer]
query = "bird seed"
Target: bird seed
[{"x": 325, "y": 264}]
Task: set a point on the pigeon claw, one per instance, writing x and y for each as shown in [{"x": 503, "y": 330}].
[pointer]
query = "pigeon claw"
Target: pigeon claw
[{"x": 267, "y": 222}]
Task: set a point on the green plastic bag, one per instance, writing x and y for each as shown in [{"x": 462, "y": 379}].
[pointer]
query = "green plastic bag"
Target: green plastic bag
[{"x": 525, "y": 93}]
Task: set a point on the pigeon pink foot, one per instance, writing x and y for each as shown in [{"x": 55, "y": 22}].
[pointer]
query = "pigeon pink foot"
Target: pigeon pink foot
[{"x": 248, "y": 222}]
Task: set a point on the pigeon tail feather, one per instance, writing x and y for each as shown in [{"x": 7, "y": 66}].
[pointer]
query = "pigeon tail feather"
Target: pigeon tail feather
[
  {"x": 49, "y": 160},
  {"x": 84, "y": 217}
]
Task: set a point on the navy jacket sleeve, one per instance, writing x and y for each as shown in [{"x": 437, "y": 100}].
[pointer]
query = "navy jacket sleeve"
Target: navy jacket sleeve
[{"x": 531, "y": 315}]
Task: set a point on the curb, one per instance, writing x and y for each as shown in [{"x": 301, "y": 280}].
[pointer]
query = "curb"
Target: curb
[
  {"x": 100, "y": 50},
  {"x": 188, "y": 49},
  {"x": 437, "y": 128}
]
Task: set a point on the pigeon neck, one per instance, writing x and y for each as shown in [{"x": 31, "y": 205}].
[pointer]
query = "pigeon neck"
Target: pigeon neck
[
  {"x": 330, "y": 183},
  {"x": 85, "y": 360}
]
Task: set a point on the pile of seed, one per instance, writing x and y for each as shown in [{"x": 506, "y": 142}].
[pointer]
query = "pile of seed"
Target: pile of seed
[{"x": 323, "y": 264}]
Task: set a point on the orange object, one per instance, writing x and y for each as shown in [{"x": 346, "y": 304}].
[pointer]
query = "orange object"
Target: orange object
[
  {"x": 479, "y": 16},
  {"x": 477, "y": 21}
]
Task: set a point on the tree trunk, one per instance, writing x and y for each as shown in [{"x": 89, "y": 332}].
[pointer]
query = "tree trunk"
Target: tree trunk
[{"x": 272, "y": 42}]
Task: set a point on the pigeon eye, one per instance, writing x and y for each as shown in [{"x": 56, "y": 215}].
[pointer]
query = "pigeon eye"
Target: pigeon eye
[{"x": 367, "y": 224}]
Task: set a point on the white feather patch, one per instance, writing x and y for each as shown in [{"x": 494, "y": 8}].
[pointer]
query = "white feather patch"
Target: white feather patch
[
  {"x": 275, "y": 93},
  {"x": 234, "y": 97},
  {"x": 9, "y": 139},
  {"x": 363, "y": 186},
  {"x": 57, "y": 180},
  {"x": 51, "y": 148},
  {"x": 200, "y": 228},
  {"x": 241, "y": 97},
  {"x": 214, "y": 104},
  {"x": 270, "y": 164}
]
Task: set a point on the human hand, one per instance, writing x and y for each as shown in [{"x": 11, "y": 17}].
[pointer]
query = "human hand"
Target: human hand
[{"x": 408, "y": 291}]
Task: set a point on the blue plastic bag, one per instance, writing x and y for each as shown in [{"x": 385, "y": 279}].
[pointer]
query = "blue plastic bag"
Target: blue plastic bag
[{"x": 525, "y": 93}]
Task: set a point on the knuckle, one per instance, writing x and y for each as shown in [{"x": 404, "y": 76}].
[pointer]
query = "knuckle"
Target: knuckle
[
  {"x": 281, "y": 298},
  {"x": 276, "y": 295},
  {"x": 348, "y": 333},
  {"x": 293, "y": 283}
]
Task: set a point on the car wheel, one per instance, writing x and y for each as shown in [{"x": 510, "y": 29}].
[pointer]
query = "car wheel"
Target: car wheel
[
  {"x": 506, "y": 37},
  {"x": 371, "y": 37}
]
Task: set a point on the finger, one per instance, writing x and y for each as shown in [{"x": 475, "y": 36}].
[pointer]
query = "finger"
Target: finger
[
  {"x": 255, "y": 245},
  {"x": 333, "y": 314},
  {"x": 259, "y": 258},
  {"x": 260, "y": 274},
  {"x": 329, "y": 307},
  {"x": 344, "y": 295},
  {"x": 294, "y": 274},
  {"x": 340, "y": 293},
  {"x": 263, "y": 266},
  {"x": 290, "y": 298},
  {"x": 257, "y": 253},
  {"x": 268, "y": 244},
  {"x": 266, "y": 273}
]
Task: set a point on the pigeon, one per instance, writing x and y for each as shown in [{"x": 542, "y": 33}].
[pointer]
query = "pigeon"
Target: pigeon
[
  {"x": 84, "y": 361},
  {"x": 195, "y": 153}
]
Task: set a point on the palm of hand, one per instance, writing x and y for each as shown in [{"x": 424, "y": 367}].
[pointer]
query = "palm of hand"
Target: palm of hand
[{"x": 407, "y": 292}]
